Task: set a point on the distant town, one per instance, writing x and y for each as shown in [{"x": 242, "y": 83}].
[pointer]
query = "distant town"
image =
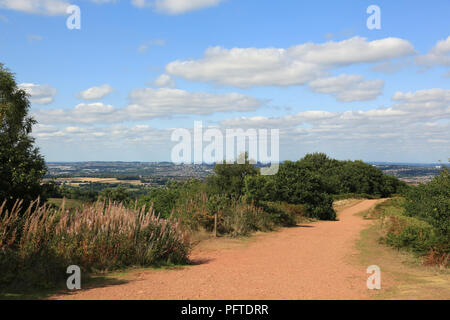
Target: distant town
[{"x": 159, "y": 173}]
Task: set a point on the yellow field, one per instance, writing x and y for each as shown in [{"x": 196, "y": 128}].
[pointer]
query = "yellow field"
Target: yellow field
[{"x": 76, "y": 181}]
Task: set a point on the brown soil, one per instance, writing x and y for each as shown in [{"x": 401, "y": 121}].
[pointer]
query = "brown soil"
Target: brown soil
[{"x": 309, "y": 261}]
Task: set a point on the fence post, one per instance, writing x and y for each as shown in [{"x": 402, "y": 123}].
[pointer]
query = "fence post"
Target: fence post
[{"x": 215, "y": 225}]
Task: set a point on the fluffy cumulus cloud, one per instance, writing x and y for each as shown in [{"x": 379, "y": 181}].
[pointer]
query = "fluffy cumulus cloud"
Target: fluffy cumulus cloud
[
  {"x": 44, "y": 7},
  {"x": 439, "y": 55},
  {"x": 82, "y": 114},
  {"x": 95, "y": 93},
  {"x": 40, "y": 94},
  {"x": 347, "y": 88},
  {"x": 415, "y": 121},
  {"x": 163, "y": 102},
  {"x": 297, "y": 65},
  {"x": 151, "y": 103},
  {"x": 182, "y": 6},
  {"x": 165, "y": 81},
  {"x": 423, "y": 106}
]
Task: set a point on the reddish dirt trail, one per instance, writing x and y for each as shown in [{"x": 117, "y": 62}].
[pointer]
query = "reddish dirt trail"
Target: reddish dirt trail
[{"x": 306, "y": 262}]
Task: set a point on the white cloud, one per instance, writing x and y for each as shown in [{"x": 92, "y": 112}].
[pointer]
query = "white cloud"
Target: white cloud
[
  {"x": 182, "y": 6},
  {"x": 165, "y": 81},
  {"x": 40, "y": 94},
  {"x": 44, "y": 7},
  {"x": 249, "y": 67},
  {"x": 388, "y": 67},
  {"x": 141, "y": 3},
  {"x": 150, "y": 103},
  {"x": 95, "y": 93},
  {"x": 394, "y": 133},
  {"x": 439, "y": 55},
  {"x": 82, "y": 114},
  {"x": 348, "y": 88},
  {"x": 165, "y": 102},
  {"x": 144, "y": 47}
]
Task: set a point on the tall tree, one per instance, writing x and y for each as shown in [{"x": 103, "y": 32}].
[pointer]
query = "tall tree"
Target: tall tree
[{"x": 21, "y": 166}]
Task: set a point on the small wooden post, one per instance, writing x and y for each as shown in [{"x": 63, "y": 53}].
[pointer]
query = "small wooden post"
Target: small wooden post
[{"x": 215, "y": 225}]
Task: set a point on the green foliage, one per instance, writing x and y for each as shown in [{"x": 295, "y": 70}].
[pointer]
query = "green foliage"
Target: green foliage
[
  {"x": 165, "y": 199},
  {"x": 296, "y": 183},
  {"x": 431, "y": 202},
  {"x": 22, "y": 167},
  {"x": 412, "y": 225},
  {"x": 118, "y": 195},
  {"x": 259, "y": 188},
  {"x": 411, "y": 233},
  {"x": 316, "y": 180},
  {"x": 284, "y": 214},
  {"x": 229, "y": 179}
]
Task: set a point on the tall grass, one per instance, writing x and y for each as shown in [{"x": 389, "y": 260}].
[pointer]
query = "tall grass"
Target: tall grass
[{"x": 37, "y": 244}]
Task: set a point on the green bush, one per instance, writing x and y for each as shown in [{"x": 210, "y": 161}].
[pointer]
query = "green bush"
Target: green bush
[
  {"x": 242, "y": 218},
  {"x": 284, "y": 214},
  {"x": 410, "y": 233},
  {"x": 431, "y": 202}
]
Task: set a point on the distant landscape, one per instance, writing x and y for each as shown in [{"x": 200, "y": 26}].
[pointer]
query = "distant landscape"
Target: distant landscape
[
  {"x": 224, "y": 150},
  {"x": 158, "y": 173}
]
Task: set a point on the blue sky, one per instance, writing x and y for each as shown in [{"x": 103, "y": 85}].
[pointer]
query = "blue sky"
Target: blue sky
[{"x": 116, "y": 88}]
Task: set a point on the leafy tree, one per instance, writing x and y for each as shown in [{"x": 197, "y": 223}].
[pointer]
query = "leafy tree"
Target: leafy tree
[
  {"x": 22, "y": 167},
  {"x": 119, "y": 195},
  {"x": 229, "y": 178}
]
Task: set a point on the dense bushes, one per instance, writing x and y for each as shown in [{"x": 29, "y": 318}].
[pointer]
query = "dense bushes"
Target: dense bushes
[
  {"x": 235, "y": 217},
  {"x": 316, "y": 180},
  {"x": 36, "y": 248},
  {"x": 421, "y": 221},
  {"x": 431, "y": 202},
  {"x": 411, "y": 233}
]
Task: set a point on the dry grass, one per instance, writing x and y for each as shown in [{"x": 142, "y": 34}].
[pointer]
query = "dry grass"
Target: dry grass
[
  {"x": 403, "y": 276},
  {"x": 44, "y": 241}
]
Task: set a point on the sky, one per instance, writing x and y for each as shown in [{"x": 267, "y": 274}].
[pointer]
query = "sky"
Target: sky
[{"x": 116, "y": 88}]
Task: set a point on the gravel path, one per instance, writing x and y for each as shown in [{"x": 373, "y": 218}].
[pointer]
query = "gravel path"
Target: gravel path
[{"x": 305, "y": 262}]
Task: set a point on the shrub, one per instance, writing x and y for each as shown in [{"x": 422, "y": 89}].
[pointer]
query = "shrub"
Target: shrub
[
  {"x": 431, "y": 203},
  {"x": 36, "y": 249},
  {"x": 236, "y": 217},
  {"x": 321, "y": 207},
  {"x": 284, "y": 214},
  {"x": 410, "y": 233},
  {"x": 242, "y": 218}
]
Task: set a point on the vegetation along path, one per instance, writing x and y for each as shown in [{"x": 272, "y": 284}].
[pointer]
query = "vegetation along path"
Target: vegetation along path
[{"x": 305, "y": 262}]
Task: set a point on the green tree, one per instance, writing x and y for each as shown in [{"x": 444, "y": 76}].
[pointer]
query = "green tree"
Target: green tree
[
  {"x": 22, "y": 167},
  {"x": 119, "y": 195},
  {"x": 229, "y": 178}
]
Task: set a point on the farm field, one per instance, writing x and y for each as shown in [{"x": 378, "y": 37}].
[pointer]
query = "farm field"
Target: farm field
[{"x": 76, "y": 181}]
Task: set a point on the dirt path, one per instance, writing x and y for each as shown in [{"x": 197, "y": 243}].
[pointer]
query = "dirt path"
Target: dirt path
[{"x": 306, "y": 262}]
